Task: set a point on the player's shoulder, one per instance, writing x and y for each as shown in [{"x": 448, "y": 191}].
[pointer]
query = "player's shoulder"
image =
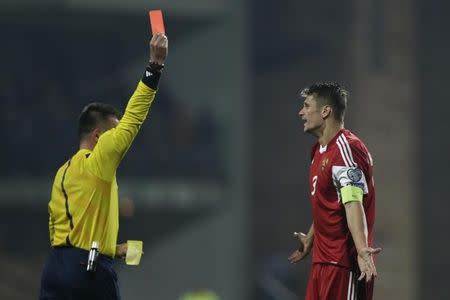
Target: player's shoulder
[
  {"x": 314, "y": 147},
  {"x": 314, "y": 150},
  {"x": 350, "y": 149},
  {"x": 352, "y": 141}
]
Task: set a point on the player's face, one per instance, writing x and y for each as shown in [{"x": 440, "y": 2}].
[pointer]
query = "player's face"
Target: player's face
[{"x": 311, "y": 115}]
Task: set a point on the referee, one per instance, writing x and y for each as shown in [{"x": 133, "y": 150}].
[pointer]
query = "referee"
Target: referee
[{"x": 84, "y": 202}]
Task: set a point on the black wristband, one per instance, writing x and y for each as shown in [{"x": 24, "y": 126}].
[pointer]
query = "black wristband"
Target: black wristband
[{"x": 152, "y": 74}]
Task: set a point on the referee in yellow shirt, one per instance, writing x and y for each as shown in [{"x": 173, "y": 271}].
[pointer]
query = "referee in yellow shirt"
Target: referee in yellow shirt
[{"x": 84, "y": 202}]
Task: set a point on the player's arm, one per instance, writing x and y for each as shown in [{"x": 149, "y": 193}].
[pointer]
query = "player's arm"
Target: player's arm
[
  {"x": 352, "y": 185},
  {"x": 113, "y": 144},
  {"x": 306, "y": 243},
  {"x": 349, "y": 174},
  {"x": 309, "y": 237},
  {"x": 356, "y": 220}
]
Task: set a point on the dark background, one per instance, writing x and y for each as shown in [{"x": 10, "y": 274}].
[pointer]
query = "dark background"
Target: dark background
[{"x": 216, "y": 182}]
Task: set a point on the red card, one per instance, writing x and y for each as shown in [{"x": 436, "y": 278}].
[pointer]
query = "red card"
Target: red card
[{"x": 156, "y": 21}]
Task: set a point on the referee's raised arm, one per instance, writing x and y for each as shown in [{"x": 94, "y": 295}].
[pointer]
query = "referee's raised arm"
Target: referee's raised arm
[{"x": 114, "y": 143}]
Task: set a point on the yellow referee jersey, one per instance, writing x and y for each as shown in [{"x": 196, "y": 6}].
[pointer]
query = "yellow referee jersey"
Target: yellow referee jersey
[{"x": 84, "y": 200}]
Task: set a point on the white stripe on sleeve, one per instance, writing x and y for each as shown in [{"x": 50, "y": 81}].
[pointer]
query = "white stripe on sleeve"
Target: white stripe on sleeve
[
  {"x": 344, "y": 154},
  {"x": 347, "y": 145}
]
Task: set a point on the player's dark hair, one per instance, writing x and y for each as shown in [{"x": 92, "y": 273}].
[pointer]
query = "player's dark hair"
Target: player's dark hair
[
  {"x": 329, "y": 93},
  {"x": 94, "y": 114}
]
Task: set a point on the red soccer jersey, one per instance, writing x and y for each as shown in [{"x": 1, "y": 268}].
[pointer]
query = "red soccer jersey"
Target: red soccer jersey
[{"x": 344, "y": 161}]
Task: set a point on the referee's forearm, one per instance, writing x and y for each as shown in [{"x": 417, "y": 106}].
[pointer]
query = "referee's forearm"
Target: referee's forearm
[{"x": 142, "y": 98}]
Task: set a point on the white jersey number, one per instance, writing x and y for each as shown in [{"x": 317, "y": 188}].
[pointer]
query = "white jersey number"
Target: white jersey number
[{"x": 314, "y": 182}]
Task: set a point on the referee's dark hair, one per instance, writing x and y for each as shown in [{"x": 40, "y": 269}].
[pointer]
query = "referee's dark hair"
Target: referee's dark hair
[
  {"x": 93, "y": 115},
  {"x": 329, "y": 93}
]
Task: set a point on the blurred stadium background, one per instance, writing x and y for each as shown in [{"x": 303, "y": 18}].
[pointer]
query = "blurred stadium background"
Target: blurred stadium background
[{"x": 216, "y": 182}]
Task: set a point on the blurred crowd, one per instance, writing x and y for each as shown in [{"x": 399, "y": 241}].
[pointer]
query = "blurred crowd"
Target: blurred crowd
[{"x": 39, "y": 111}]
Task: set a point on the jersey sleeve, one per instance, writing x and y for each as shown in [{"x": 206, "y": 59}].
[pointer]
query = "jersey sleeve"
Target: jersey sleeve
[
  {"x": 351, "y": 166},
  {"x": 114, "y": 143}
]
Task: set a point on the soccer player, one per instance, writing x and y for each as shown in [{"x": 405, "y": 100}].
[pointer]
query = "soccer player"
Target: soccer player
[
  {"x": 343, "y": 202},
  {"x": 84, "y": 201}
]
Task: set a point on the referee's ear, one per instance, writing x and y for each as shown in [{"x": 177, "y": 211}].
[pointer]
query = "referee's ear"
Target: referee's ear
[{"x": 96, "y": 134}]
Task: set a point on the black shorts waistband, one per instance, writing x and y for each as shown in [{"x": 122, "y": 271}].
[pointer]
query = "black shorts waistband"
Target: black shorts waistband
[{"x": 104, "y": 257}]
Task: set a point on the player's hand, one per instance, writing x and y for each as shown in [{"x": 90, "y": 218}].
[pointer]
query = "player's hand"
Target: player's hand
[
  {"x": 366, "y": 264},
  {"x": 303, "y": 250},
  {"x": 159, "y": 46},
  {"x": 121, "y": 250}
]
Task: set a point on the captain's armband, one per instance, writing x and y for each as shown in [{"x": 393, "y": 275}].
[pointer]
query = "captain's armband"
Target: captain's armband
[{"x": 351, "y": 193}]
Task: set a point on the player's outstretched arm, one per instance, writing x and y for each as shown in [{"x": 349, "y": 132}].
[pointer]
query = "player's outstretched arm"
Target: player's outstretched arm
[
  {"x": 306, "y": 243},
  {"x": 356, "y": 220}
]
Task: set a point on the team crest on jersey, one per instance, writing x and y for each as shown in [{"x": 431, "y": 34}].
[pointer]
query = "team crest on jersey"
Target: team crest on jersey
[
  {"x": 324, "y": 163},
  {"x": 355, "y": 175}
]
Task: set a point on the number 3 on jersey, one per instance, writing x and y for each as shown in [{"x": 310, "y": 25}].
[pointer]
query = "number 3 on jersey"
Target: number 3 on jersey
[{"x": 314, "y": 183}]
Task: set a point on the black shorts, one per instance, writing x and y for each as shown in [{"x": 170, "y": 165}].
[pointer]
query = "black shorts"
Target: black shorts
[{"x": 65, "y": 277}]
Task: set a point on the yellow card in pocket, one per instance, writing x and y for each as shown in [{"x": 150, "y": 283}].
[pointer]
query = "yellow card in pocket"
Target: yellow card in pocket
[{"x": 134, "y": 252}]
